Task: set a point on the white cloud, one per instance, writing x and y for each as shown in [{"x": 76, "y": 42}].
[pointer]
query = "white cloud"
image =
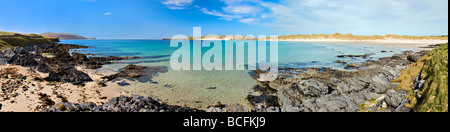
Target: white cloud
[
  {"x": 178, "y": 4},
  {"x": 228, "y": 17},
  {"x": 244, "y": 9},
  {"x": 242, "y": 6},
  {"x": 247, "y": 20},
  {"x": 356, "y": 16},
  {"x": 241, "y": 10},
  {"x": 108, "y": 13},
  {"x": 417, "y": 17}
]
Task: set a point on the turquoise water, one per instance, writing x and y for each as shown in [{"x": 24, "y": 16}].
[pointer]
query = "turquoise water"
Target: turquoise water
[{"x": 191, "y": 87}]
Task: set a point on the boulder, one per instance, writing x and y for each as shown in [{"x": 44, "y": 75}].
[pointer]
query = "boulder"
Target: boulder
[
  {"x": 44, "y": 68},
  {"x": 23, "y": 60},
  {"x": 414, "y": 58},
  {"x": 69, "y": 75},
  {"x": 352, "y": 66},
  {"x": 141, "y": 73},
  {"x": 312, "y": 88}
]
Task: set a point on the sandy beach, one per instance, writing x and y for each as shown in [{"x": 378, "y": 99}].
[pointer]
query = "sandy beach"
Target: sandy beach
[
  {"x": 31, "y": 95},
  {"x": 386, "y": 43}
]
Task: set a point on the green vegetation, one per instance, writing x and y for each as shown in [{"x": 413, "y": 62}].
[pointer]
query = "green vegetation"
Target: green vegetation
[
  {"x": 9, "y": 39},
  {"x": 366, "y": 105},
  {"x": 434, "y": 69},
  {"x": 349, "y": 36},
  {"x": 64, "y": 35}
]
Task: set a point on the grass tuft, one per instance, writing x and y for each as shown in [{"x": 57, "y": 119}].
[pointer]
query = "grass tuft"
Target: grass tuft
[{"x": 434, "y": 69}]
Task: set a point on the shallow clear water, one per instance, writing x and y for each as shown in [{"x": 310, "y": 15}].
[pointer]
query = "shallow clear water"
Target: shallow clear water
[{"x": 191, "y": 87}]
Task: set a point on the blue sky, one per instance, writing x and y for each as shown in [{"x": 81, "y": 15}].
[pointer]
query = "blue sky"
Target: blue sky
[{"x": 166, "y": 18}]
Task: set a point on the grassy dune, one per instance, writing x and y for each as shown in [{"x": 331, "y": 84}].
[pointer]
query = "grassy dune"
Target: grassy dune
[
  {"x": 434, "y": 69},
  {"x": 10, "y": 39},
  {"x": 349, "y": 36}
]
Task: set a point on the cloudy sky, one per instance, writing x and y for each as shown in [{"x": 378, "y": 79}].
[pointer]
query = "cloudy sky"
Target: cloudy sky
[{"x": 165, "y": 18}]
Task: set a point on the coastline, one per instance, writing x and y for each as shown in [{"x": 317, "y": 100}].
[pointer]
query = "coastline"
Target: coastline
[
  {"x": 33, "y": 94},
  {"x": 41, "y": 94},
  {"x": 387, "y": 43},
  {"x": 395, "y": 43}
]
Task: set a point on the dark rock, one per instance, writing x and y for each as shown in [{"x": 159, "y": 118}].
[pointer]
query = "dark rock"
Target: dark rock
[
  {"x": 69, "y": 75},
  {"x": 61, "y": 67},
  {"x": 354, "y": 56},
  {"x": 23, "y": 60},
  {"x": 342, "y": 62},
  {"x": 121, "y": 104},
  {"x": 169, "y": 85},
  {"x": 141, "y": 73},
  {"x": 328, "y": 90},
  {"x": 101, "y": 83},
  {"x": 87, "y": 106},
  {"x": 123, "y": 83},
  {"x": 211, "y": 88},
  {"x": 44, "y": 68},
  {"x": 414, "y": 58},
  {"x": 352, "y": 66}
]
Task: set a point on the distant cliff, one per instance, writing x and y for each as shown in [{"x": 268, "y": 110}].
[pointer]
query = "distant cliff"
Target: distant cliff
[
  {"x": 64, "y": 36},
  {"x": 10, "y": 39}
]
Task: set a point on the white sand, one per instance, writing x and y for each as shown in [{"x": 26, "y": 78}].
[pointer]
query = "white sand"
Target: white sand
[
  {"x": 387, "y": 43},
  {"x": 28, "y": 101}
]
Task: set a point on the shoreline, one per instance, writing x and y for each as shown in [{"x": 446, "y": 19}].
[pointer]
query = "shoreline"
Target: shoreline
[
  {"x": 399, "y": 43},
  {"x": 386, "y": 43},
  {"x": 93, "y": 91}
]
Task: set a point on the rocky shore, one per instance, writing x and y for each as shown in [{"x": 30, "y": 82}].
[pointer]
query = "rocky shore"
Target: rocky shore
[
  {"x": 121, "y": 104},
  {"x": 47, "y": 75},
  {"x": 48, "y": 78},
  {"x": 369, "y": 88}
]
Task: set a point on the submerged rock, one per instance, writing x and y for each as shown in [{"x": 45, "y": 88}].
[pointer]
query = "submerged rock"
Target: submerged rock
[
  {"x": 141, "y": 73},
  {"x": 354, "y": 56},
  {"x": 353, "y": 66}
]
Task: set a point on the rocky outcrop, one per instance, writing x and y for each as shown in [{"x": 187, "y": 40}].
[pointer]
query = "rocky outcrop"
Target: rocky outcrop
[
  {"x": 68, "y": 75},
  {"x": 121, "y": 104},
  {"x": 369, "y": 88},
  {"x": 354, "y": 56},
  {"x": 55, "y": 59},
  {"x": 23, "y": 60},
  {"x": 140, "y": 73},
  {"x": 96, "y": 62}
]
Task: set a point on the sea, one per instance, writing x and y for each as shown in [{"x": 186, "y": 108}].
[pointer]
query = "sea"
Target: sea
[{"x": 202, "y": 88}]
